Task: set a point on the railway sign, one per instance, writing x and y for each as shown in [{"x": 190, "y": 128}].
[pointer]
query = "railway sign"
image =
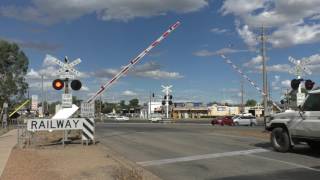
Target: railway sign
[
  {"x": 54, "y": 124},
  {"x": 87, "y": 109},
  {"x": 66, "y": 100}
]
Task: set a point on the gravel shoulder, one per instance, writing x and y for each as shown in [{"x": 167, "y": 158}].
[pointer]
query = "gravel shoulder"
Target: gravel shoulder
[{"x": 73, "y": 161}]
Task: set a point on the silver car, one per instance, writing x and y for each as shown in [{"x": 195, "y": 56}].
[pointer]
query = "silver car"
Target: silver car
[{"x": 245, "y": 120}]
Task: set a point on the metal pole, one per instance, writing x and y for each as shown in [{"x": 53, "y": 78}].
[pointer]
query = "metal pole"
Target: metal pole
[
  {"x": 242, "y": 92},
  {"x": 42, "y": 95},
  {"x": 149, "y": 117},
  {"x": 264, "y": 74}
]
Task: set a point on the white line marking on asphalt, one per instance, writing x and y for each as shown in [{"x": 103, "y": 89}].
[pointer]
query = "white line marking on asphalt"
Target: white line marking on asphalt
[
  {"x": 285, "y": 162},
  {"x": 199, "y": 157}
]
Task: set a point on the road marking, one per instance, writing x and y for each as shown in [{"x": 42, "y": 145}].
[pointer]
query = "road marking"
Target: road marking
[
  {"x": 199, "y": 157},
  {"x": 234, "y": 136},
  {"x": 285, "y": 162}
]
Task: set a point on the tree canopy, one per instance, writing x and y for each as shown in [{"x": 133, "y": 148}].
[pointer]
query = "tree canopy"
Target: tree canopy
[
  {"x": 13, "y": 68},
  {"x": 251, "y": 102}
]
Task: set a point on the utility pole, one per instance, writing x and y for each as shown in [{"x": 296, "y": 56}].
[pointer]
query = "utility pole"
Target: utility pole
[
  {"x": 263, "y": 39},
  {"x": 149, "y": 107},
  {"x": 100, "y": 108},
  {"x": 242, "y": 94}
]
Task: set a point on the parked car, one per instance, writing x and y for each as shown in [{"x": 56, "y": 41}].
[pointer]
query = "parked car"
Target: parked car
[
  {"x": 223, "y": 121},
  {"x": 122, "y": 118},
  {"x": 246, "y": 120},
  {"x": 155, "y": 119}
]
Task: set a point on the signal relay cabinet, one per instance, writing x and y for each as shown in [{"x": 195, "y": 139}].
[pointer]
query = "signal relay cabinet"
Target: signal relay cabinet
[{"x": 293, "y": 127}]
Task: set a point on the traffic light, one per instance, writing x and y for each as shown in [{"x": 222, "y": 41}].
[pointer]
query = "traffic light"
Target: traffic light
[
  {"x": 76, "y": 85},
  {"x": 170, "y": 103},
  {"x": 163, "y": 103},
  {"x": 58, "y": 84},
  {"x": 308, "y": 84},
  {"x": 295, "y": 84},
  {"x": 170, "y": 96}
]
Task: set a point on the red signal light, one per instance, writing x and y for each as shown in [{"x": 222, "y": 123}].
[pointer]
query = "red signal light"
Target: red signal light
[{"x": 57, "y": 84}]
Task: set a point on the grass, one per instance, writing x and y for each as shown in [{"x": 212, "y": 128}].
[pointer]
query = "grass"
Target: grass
[{"x": 122, "y": 173}]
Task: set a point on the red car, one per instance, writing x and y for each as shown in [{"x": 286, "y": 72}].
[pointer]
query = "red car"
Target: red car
[{"x": 223, "y": 121}]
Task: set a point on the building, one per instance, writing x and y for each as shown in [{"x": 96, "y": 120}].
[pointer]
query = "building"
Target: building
[
  {"x": 221, "y": 110},
  {"x": 189, "y": 110},
  {"x": 150, "y": 109}
]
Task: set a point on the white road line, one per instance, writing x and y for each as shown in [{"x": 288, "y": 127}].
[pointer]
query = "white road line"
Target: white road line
[
  {"x": 199, "y": 157},
  {"x": 285, "y": 162}
]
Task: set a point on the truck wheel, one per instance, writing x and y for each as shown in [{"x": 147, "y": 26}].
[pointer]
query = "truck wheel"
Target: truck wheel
[{"x": 280, "y": 140}]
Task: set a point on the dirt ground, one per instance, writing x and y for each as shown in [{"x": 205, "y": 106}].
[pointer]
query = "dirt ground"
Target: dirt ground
[{"x": 49, "y": 161}]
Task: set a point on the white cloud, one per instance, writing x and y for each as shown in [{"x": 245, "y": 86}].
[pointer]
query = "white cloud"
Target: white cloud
[
  {"x": 240, "y": 7},
  {"x": 129, "y": 93},
  {"x": 218, "y": 30},
  {"x": 293, "y": 34},
  {"x": 287, "y": 20},
  {"x": 286, "y": 83},
  {"x": 148, "y": 70},
  {"x": 33, "y": 75},
  {"x": 49, "y": 11},
  {"x": 248, "y": 36},
  {"x": 157, "y": 74},
  {"x": 254, "y": 61},
  {"x": 207, "y": 53}
]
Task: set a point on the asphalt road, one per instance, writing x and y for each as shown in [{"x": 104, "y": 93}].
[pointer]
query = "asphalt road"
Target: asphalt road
[{"x": 177, "y": 151}]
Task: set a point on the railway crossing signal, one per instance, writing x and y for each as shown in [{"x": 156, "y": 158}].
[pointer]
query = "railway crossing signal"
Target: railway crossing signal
[{"x": 58, "y": 84}]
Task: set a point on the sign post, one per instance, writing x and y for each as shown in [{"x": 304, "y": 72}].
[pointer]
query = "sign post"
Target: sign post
[{"x": 34, "y": 102}]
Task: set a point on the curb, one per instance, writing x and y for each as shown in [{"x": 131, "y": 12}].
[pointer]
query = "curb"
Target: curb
[{"x": 128, "y": 163}]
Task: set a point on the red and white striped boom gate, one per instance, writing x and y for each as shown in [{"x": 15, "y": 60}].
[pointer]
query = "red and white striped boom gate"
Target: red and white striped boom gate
[
  {"x": 228, "y": 61},
  {"x": 134, "y": 61}
]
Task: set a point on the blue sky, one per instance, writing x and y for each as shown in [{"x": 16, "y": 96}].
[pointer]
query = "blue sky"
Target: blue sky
[{"x": 106, "y": 34}]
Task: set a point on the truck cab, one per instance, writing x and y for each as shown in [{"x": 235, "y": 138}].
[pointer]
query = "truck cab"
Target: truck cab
[{"x": 295, "y": 126}]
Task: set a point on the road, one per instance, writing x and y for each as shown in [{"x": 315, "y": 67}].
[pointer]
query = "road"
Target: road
[{"x": 177, "y": 151}]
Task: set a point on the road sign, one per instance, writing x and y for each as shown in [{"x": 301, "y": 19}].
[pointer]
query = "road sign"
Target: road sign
[
  {"x": 300, "y": 98},
  {"x": 87, "y": 109},
  {"x": 67, "y": 100},
  {"x": 34, "y": 103},
  {"x": 54, "y": 124}
]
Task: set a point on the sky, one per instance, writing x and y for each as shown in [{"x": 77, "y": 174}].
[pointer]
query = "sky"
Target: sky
[{"x": 107, "y": 34}]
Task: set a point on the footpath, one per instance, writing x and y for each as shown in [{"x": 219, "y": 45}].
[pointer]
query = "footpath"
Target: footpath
[{"x": 7, "y": 142}]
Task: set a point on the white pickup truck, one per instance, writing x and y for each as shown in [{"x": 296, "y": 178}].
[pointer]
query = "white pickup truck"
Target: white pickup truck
[{"x": 293, "y": 127}]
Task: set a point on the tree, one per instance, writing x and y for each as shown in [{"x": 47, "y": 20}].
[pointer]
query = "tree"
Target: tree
[
  {"x": 251, "y": 102},
  {"x": 133, "y": 103},
  {"x": 13, "y": 68},
  {"x": 123, "y": 104}
]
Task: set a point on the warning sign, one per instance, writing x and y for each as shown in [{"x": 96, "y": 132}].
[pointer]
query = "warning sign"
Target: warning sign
[{"x": 54, "y": 124}]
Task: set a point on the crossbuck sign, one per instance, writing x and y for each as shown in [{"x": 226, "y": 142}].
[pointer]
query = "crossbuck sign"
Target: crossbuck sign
[{"x": 67, "y": 69}]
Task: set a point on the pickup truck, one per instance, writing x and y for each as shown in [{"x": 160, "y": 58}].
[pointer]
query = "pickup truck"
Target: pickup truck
[{"x": 295, "y": 126}]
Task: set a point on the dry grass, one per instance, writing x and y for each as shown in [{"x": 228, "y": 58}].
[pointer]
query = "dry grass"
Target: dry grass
[{"x": 122, "y": 173}]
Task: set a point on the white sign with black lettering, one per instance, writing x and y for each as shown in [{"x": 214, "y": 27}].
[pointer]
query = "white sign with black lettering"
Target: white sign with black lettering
[
  {"x": 300, "y": 98},
  {"x": 66, "y": 100},
  {"x": 54, "y": 124},
  {"x": 87, "y": 109}
]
